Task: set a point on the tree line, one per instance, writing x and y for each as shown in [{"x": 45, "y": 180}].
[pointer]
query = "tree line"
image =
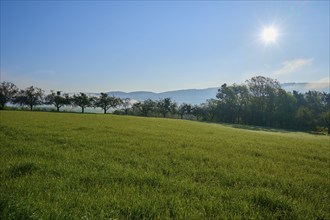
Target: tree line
[{"x": 259, "y": 101}]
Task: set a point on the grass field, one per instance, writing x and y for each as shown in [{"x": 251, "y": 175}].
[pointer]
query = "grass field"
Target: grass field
[{"x": 94, "y": 166}]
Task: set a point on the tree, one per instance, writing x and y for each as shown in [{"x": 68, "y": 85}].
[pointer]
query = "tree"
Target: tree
[
  {"x": 198, "y": 111},
  {"x": 233, "y": 102},
  {"x": 7, "y": 92},
  {"x": 211, "y": 108},
  {"x": 228, "y": 103},
  {"x": 285, "y": 107},
  {"x": 183, "y": 109},
  {"x": 325, "y": 116},
  {"x": 57, "y": 100},
  {"x": 263, "y": 91},
  {"x": 82, "y": 100},
  {"x": 136, "y": 108},
  {"x": 145, "y": 107},
  {"x": 300, "y": 99},
  {"x": 166, "y": 106},
  {"x": 304, "y": 118},
  {"x": 31, "y": 96},
  {"x": 148, "y": 106},
  {"x": 106, "y": 102},
  {"x": 314, "y": 102}
]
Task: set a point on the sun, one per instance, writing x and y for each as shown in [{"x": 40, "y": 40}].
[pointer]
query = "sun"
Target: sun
[{"x": 269, "y": 35}]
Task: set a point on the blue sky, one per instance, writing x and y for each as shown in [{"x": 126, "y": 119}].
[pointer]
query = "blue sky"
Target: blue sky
[{"x": 99, "y": 46}]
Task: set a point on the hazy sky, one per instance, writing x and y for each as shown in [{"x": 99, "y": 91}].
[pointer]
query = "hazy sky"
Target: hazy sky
[{"x": 98, "y": 46}]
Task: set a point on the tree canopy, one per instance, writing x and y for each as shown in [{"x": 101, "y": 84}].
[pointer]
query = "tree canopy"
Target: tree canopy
[
  {"x": 82, "y": 100},
  {"x": 7, "y": 92},
  {"x": 31, "y": 96},
  {"x": 106, "y": 102},
  {"x": 57, "y": 100}
]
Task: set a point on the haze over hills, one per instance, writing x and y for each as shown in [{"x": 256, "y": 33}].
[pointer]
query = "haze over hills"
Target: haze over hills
[
  {"x": 192, "y": 96},
  {"x": 197, "y": 96}
]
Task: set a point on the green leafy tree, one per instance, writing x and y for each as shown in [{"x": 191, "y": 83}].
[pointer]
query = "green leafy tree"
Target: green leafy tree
[
  {"x": 314, "y": 102},
  {"x": 304, "y": 119},
  {"x": 7, "y": 92},
  {"x": 285, "y": 107},
  {"x": 166, "y": 106},
  {"x": 325, "y": 117},
  {"x": 300, "y": 99},
  {"x": 211, "y": 108},
  {"x": 232, "y": 102},
  {"x": 263, "y": 91},
  {"x": 31, "y": 96},
  {"x": 262, "y": 101},
  {"x": 198, "y": 111},
  {"x": 148, "y": 106},
  {"x": 184, "y": 109},
  {"x": 82, "y": 100},
  {"x": 106, "y": 102},
  {"x": 57, "y": 100},
  {"x": 136, "y": 108}
]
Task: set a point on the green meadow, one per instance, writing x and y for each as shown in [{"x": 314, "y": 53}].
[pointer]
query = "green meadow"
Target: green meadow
[{"x": 95, "y": 166}]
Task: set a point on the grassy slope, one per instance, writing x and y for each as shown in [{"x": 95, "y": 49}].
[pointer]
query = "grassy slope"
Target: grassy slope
[{"x": 55, "y": 165}]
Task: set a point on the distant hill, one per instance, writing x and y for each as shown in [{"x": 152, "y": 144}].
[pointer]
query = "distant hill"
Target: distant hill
[{"x": 192, "y": 96}]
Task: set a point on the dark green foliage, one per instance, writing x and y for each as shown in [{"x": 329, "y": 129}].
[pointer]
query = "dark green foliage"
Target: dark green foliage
[
  {"x": 165, "y": 106},
  {"x": 147, "y": 106},
  {"x": 198, "y": 111},
  {"x": 184, "y": 109},
  {"x": 262, "y": 102}
]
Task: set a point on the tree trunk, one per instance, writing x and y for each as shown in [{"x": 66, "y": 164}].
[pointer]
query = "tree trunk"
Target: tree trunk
[
  {"x": 82, "y": 110},
  {"x": 31, "y": 106},
  {"x": 181, "y": 116},
  {"x": 105, "y": 111},
  {"x": 164, "y": 115},
  {"x": 126, "y": 111},
  {"x": 58, "y": 109}
]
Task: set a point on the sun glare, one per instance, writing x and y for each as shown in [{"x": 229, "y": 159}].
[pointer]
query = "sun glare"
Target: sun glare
[{"x": 269, "y": 35}]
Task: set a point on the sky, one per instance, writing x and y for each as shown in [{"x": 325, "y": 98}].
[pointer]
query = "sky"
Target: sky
[{"x": 101, "y": 46}]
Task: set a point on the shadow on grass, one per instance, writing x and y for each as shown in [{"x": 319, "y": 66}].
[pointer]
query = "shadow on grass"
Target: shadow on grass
[
  {"x": 258, "y": 128},
  {"x": 269, "y": 129}
]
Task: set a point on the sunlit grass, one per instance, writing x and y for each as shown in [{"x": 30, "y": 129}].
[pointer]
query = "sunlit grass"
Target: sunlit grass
[{"x": 75, "y": 166}]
